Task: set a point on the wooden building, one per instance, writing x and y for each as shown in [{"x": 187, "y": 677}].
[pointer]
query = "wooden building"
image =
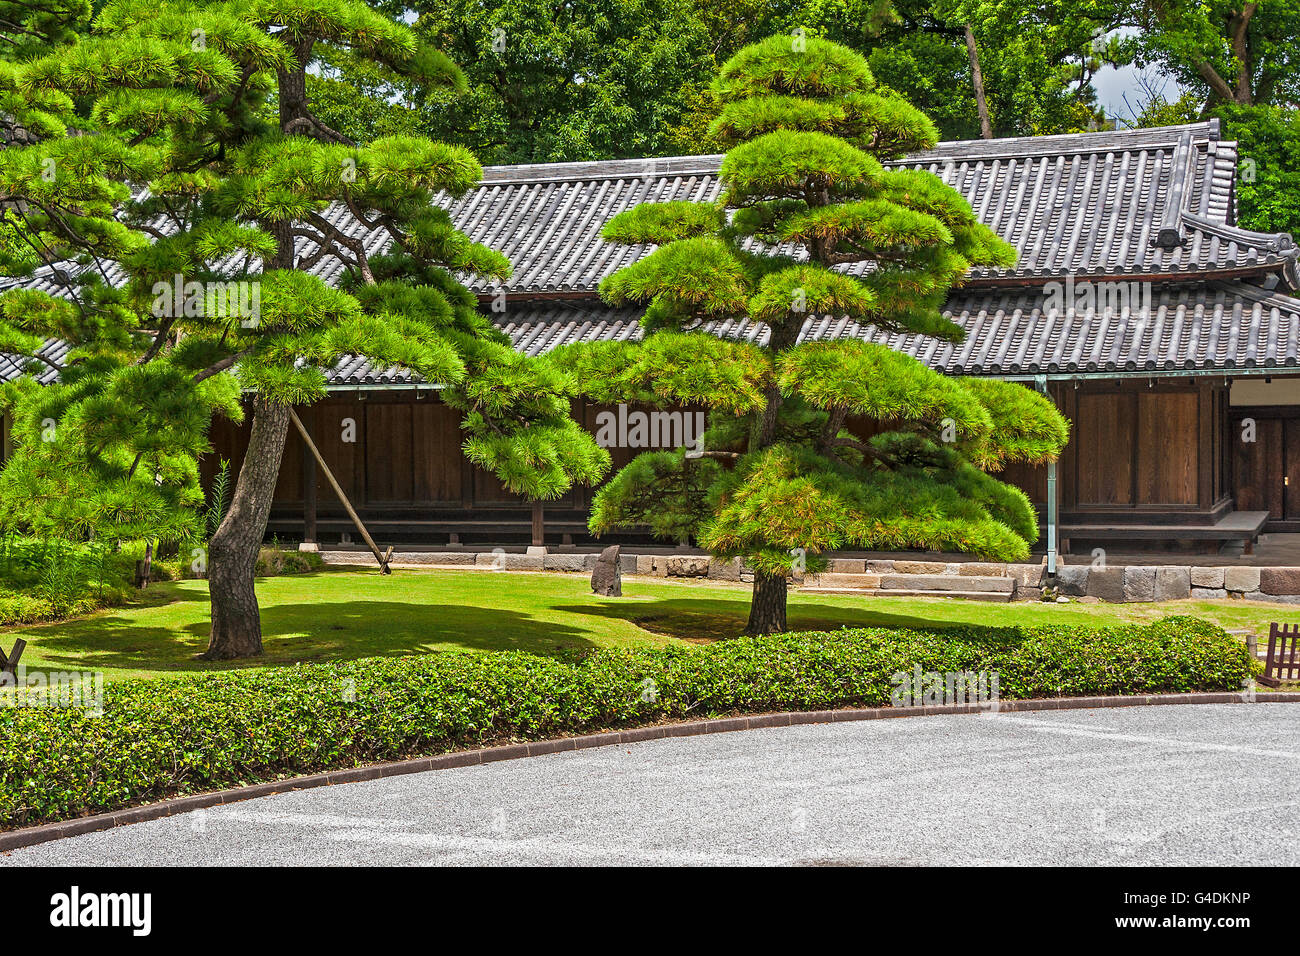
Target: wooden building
[{"x": 1164, "y": 332}]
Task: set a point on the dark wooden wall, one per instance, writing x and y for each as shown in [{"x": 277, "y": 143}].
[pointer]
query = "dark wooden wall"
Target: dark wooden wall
[
  {"x": 405, "y": 454},
  {"x": 1139, "y": 451},
  {"x": 1262, "y": 468},
  {"x": 1142, "y": 450}
]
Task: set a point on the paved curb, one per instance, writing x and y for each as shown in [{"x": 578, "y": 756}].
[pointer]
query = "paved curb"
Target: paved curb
[{"x": 44, "y": 833}]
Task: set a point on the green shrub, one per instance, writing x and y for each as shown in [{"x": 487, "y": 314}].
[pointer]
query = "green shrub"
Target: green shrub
[
  {"x": 49, "y": 579},
  {"x": 171, "y": 736},
  {"x": 273, "y": 561},
  {"x": 24, "y": 609}
]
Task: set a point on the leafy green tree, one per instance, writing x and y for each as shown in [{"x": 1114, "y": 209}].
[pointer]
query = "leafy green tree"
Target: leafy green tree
[
  {"x": 1268, "y": 173},
  {"x": 810, "y": 222},
  {"x": 215, "y": 214},
  {"x": 1038, "y": 62},
  {"x": 1228, "y": 51},
  {"x": 1240, "y": 62},
  {"x": 551, "y": 81},
  {"x": 545, "y": 81}
]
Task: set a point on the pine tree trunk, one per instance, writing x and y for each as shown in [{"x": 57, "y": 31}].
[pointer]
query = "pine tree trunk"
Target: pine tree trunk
[
  {"x": 232, "y": 552},
  {"x": 767, "y": 606},
  {"x": 977, "y": 81}
]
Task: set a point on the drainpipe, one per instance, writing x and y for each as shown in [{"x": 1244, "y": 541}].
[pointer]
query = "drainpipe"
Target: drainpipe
[{"x": 1041, "y": 382}]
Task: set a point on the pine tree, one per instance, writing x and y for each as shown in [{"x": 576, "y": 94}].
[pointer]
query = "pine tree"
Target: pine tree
[
  {"x": 811, "y": 223},
  {"x": 183, "y": 147}
]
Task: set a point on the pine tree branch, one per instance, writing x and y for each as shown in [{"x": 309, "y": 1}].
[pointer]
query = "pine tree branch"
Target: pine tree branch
[
  {"x": 357, "y": 247},
  {"x": 327, "y": 133},
  {"x": 857, "y": 446},
  {"x": 219, "y": 367},
  {"x": 834, "y": 422},
  {"x": 159, "y": 340},
  {"x": 48, "y": 361},
  {"x": 323, "y": 249}
]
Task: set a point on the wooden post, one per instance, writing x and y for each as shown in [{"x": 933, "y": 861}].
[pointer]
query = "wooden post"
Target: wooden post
[
  {"x": 539, "y": 525},
  {"x": 308, "y": 499},
  {"x": 338, "y": 490},
  {"x": 9, "y": 663}
]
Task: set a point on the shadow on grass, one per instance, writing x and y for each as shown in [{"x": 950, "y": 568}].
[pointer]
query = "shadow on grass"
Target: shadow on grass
[
  {"x": 294, "y": 633},
  {"x": 701, "y": 620}
]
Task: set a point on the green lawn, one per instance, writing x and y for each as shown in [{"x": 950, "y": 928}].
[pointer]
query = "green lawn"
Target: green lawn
[{"x": 356, "y": 613}]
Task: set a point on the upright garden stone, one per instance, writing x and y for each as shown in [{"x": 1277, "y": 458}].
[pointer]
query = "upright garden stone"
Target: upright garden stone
[{"x": 607, "y": 579}]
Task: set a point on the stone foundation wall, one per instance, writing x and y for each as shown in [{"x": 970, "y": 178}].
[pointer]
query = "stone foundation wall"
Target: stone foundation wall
[
  {"x": 1134, "y": 583},
  {"x": 1021, "y": 582}
]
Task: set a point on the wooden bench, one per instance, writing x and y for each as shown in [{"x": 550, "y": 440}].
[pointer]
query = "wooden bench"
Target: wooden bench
[{"x": 1243, "y": 526}]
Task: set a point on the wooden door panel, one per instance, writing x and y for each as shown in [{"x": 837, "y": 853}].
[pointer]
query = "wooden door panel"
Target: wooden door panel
[
  {"x": 389, "y": 443},
  {"x": 438, "y": 456},
  {"x": 338, "y": 429},
  {"x": 1168, "y": 439},
  {"x": 1290, "y": 490},
  {"x": 1258, "y": 466},
  {"x": 1104, "y": 436}
]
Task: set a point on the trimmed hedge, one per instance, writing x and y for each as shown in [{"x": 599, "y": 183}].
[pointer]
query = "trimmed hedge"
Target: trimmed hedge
[{"x": 173, "y": 736}]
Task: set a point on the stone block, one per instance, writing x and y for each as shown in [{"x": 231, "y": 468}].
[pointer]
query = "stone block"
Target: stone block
[
  {"x": 687, "y": 566},
  {"x": 1173, "y": 584},
  {"x": 1272, "y": 598},
  {"x": 1027, "y": 575},
  {"x": 1207, "y": 577},
  {"x": 524, "y": 562},
  {"x": 1028, "y": 594},
  {"x": 829, "y": 579},
  {"x": 1139, "y": 584},
  {"x": 725, "y": 570},
  {"x": 919, "y": 567},
  {"x": 1279, "y": 580},
  {"x": 572, "y": 563},
  {"x": 1241, "y": 579},
  {"x": 880, "y": 567},
  {"x": 982, "y": 570},
  {"x": 1210, "y": 593},
  {"x": 944, "y": 582},
  {"x": 1106, "y": 584},
  {"x": 1072, "y": 579},
  {"x": 846, "y": 565},
  {"x": 645, "y": 564}
]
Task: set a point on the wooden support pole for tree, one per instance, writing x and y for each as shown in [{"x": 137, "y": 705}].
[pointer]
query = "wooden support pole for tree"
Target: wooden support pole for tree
[
  {"x": 338, "y": 490},
  {"x": 9, "y": 664}
]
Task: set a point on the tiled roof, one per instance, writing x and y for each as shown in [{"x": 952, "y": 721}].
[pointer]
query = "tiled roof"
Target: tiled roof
[
  {"x": 1086, "y": 204},
  {"x": 1218, "y": 326},
  {"x": 11, "y": 366}
]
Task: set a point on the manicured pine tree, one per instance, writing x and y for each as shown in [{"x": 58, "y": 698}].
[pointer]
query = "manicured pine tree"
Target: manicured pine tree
[
  {"x": 810, "y": 223},
  {"x": 196, "y": 155}
]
